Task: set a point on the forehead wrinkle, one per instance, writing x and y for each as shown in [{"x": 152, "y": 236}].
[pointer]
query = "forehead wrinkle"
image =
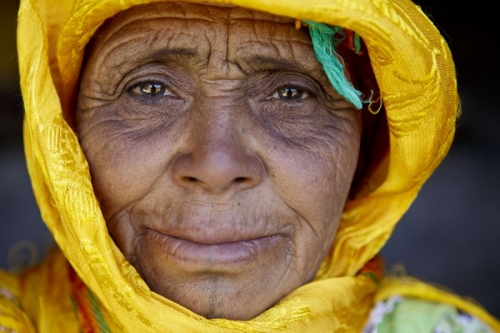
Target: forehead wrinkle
[
  {"x": 236, "y": 16},
  {"x": 163, "y": 45},
  {"x": 134, "y": 30},
  {"x": 268, "y": 39},
  {"x": 172, "y": 10},
  {"x": 144, "y": 13},
  {"x": 219, "y": 66},
  {"x": 162, "y": 50}
]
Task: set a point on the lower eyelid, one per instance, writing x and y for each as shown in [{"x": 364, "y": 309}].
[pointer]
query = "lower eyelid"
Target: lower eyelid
[{"x": 149, "y": 101}]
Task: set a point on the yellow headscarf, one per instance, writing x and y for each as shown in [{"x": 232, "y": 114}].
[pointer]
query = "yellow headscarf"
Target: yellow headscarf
[{"x": 416, "y": 76}]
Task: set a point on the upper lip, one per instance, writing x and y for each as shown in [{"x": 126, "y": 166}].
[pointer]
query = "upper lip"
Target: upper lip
[
  {"x": 214, "y": 229},
  {"x": 211, "y": 237}
]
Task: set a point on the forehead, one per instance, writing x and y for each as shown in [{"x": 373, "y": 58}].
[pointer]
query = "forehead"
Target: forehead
[
  {"x": 207, "y": 13},
  {"x": 201, "y": 33}
]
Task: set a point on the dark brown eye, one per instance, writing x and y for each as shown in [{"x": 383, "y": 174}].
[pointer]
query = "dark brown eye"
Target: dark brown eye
[
  {"x": 290, "y": 94},
  {"x": 150, "y": 89}
]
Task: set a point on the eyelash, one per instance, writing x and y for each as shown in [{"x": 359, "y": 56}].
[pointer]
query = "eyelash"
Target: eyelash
[
  {"x": 150, "y": 98},
  {"x": 302, "y": 94},
  {"x": 291, "y": 104}
]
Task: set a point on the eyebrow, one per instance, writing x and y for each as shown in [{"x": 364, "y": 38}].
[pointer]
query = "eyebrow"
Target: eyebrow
[
  {"x": 161, "y": 55},
  {"x": 262, "y": 62},
  {"x": 259, "y": 62}
]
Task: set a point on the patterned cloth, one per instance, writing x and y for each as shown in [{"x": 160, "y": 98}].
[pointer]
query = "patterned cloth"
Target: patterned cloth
[{"x": 411, "y": 315}]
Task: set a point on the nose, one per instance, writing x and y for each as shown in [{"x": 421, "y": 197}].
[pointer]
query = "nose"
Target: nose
[{"x": 217, "y": 158}]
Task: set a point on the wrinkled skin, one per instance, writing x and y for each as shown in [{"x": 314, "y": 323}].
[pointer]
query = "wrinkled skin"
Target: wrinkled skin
[{"x": 220, "y": 153}]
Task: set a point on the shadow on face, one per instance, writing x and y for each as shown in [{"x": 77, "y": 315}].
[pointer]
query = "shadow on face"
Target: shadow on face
[{"x": 220, "y": 153}]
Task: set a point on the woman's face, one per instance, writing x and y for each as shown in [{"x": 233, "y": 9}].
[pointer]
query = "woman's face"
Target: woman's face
[{"x": 219, "y": 151}]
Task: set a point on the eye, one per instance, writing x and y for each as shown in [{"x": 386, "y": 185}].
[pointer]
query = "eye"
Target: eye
[
  {"x": 290, "y": 94},
  {"x": 150, "y": 89}
]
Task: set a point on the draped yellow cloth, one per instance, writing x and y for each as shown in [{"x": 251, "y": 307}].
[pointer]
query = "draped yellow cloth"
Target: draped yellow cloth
[{"x": 416, "y": 76}]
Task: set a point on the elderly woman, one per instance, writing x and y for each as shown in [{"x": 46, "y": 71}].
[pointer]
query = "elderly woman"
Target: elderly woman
[{"x": 230, "y": 166}]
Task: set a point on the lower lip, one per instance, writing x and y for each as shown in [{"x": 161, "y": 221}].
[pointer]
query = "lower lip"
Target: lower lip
[{"x": 214, "y": 255}]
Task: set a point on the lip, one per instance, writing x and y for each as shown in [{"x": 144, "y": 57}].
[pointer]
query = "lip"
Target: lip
[{"x": 219, "y": 255}]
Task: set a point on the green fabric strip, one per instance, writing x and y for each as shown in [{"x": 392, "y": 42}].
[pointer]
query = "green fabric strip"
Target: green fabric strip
[{"x": 324, "y": 39}]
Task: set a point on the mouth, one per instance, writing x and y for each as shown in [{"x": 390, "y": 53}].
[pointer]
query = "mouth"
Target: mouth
[{"x": 215, "y": 256}]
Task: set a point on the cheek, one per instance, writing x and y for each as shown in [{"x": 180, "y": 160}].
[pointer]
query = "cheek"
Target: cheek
[
  {"x": 313, "y": 176},
  {"x": 125, "y": 162},
  {"x": 314, "y": 183},
  {"x": 322, "y": 163}
]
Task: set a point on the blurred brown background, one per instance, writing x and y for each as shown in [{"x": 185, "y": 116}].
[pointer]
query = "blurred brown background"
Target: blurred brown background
[{"x": 448, "y": 236}]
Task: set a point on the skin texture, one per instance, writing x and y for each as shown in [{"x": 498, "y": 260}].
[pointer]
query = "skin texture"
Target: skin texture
[{"x": 220, "y": 153}]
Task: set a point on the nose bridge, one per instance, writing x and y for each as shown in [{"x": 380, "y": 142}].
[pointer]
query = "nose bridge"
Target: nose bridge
[
  {"x": 217, "y": 129},
  {"x": 218, "y": 157}
]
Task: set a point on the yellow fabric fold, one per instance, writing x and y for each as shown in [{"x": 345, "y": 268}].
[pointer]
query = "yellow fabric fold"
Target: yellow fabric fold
[
  {"x": 12, "y": 316},
  {"x": 416, "y": 76}
]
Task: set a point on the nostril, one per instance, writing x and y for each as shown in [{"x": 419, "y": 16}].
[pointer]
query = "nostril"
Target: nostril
[{"x": 218, "y": 171}]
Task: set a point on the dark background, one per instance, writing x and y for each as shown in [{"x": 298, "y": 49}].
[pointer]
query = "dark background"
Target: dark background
[{"x": 448, "y": 236}]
